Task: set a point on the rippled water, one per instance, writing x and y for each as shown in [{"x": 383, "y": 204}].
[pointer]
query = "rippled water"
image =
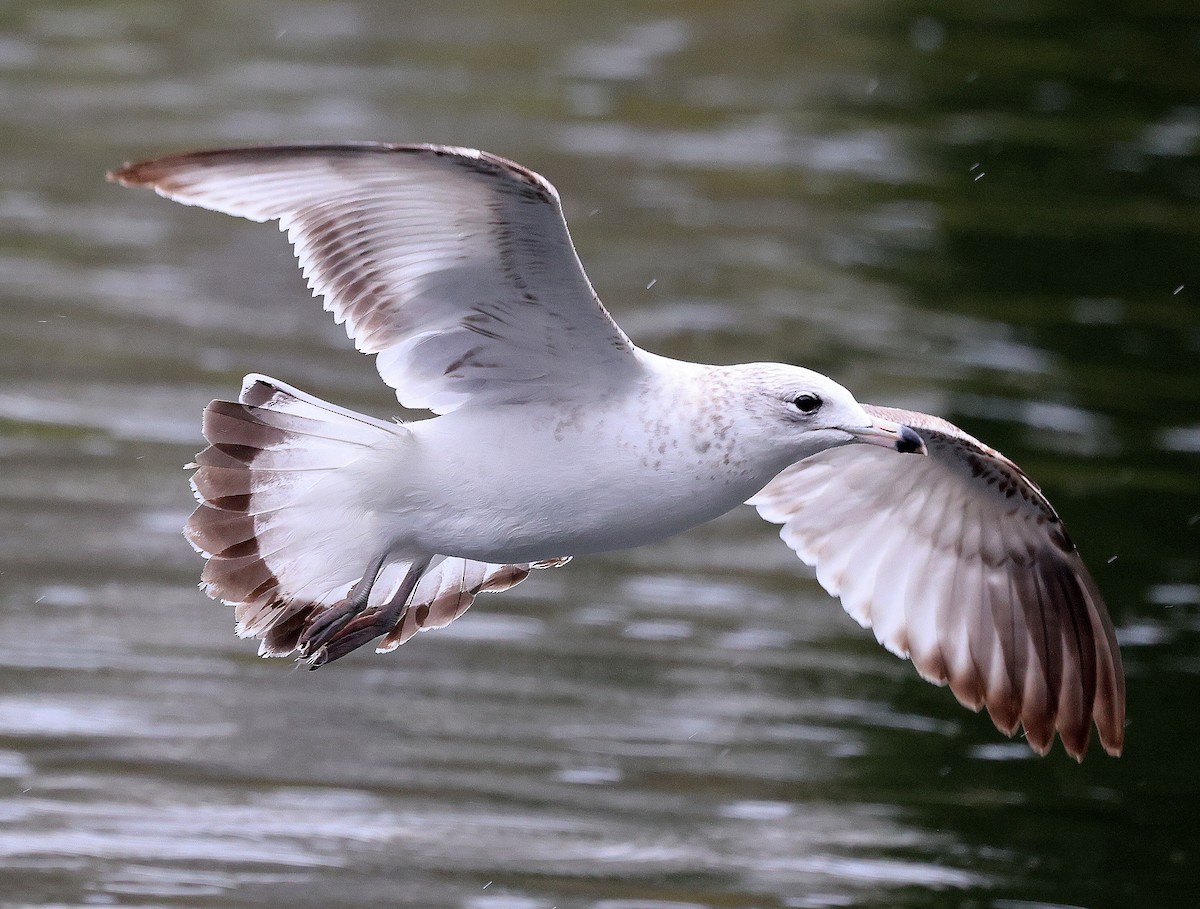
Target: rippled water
[{"x": 989, "y": 212}]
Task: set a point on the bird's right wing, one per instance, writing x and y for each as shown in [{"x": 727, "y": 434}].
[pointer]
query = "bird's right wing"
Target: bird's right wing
[
  {"x": 957, "y": 561},
  {"x": 454, "y": 266}
]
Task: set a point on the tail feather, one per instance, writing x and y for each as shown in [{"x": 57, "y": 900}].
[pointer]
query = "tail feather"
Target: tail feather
[
  {"x": 445, "y": 593},
  {"x": 247, "y": 432},
  {"x": 285, "y": 531},
  {"x": 213, "y": 532},
  {"x": 274, "y": 520}
]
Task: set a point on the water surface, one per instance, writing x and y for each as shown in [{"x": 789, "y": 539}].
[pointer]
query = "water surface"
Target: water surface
[{"x": 988, "y": 213}]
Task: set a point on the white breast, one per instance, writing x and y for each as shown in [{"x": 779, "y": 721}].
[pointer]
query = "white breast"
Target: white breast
[{"x": 539, "y": 482}]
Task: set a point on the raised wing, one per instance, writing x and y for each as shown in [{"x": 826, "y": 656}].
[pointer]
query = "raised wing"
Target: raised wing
[
  {"x": 959, "y": 563},
  {"x": 454, "y": 266}
]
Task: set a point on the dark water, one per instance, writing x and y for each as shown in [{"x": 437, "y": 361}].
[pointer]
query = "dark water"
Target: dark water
[{"x": 988, "y": 211}]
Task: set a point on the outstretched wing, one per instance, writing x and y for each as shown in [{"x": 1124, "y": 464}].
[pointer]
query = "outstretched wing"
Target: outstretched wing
[
  {"x": 958, "y": 562},
  {"x": 454, "y": 266}
]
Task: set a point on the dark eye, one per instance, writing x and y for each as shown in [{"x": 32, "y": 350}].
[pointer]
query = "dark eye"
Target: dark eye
[{"x": 806, "y": 403}]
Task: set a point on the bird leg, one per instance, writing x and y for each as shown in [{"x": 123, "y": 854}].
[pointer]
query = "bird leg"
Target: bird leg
[
  {"x": 347, "y": 629},
  {"x": 328, "y": 621}
]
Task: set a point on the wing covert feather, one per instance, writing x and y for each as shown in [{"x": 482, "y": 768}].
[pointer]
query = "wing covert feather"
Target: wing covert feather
[{"x": 453, "y": 266}]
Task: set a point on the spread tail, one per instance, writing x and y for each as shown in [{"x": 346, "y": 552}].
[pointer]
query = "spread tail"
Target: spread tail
[{"x": 283, "y": 525}]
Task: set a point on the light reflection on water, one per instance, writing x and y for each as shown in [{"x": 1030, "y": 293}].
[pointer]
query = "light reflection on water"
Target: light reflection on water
[{"x": 977, "y": 217}]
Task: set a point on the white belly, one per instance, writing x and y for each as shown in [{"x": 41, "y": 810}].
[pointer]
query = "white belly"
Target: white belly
[{"x": 518, "y": 484}]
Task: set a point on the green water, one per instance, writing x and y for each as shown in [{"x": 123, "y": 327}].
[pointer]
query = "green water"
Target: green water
[{"x": 987, "y": 211}]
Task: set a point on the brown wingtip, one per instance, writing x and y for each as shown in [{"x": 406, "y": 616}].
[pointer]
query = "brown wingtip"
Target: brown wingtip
[
  {"x": 1040, "y": 747},
  {"x": 1076, "y": 746},
  {"x": 151, "y": 171},
  {"x": 123, "y": 174},
  {"x": 1076, "y": 737},
  {"x": 130, "y": 174},
  {"x": 1113, "y": 742}
]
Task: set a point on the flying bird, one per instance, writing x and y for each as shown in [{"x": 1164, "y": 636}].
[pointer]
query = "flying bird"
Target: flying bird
[{"x": 554, "y": 435}]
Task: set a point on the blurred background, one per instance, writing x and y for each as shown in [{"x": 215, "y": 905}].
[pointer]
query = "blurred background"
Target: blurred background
[{"x": 986, "y": 211}]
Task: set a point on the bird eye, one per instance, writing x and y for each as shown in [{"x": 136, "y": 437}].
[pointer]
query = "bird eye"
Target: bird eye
[{"x": 806, "y": 403}]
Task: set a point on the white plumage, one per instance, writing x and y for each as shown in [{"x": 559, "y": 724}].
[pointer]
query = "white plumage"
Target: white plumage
[{"x": 327, "y": 529}]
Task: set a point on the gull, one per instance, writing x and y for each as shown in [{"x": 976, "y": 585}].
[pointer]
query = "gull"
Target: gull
[{"x": 554, "y": 435}]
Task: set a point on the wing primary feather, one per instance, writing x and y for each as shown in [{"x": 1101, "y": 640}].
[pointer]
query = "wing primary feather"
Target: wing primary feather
[
  {"x": 1079, "y": 662},
  {"x": 1043, "y": 677},
  {"x": 921, "y": 603},
  {"x": 971, "y": 573}
]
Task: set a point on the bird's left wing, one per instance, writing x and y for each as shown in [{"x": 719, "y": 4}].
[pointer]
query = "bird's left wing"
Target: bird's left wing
[
  {"x": 454, "y": 266},
  {"x": 957, "y": 561}
]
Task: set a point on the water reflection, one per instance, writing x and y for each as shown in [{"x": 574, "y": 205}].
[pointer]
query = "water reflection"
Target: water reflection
[{"x": 987, "y": 213}]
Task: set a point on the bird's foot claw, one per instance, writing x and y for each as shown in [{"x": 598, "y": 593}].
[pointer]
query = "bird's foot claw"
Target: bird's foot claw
[
  {"x": 350, "y": 633},
  {"x": 326, "y": 624}
]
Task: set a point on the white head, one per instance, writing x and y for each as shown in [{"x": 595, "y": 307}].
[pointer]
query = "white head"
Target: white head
[{"x": 797, "y": 412}]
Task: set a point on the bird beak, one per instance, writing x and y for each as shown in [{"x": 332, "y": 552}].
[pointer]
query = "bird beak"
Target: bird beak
[{"x": 889, "y": 434}]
